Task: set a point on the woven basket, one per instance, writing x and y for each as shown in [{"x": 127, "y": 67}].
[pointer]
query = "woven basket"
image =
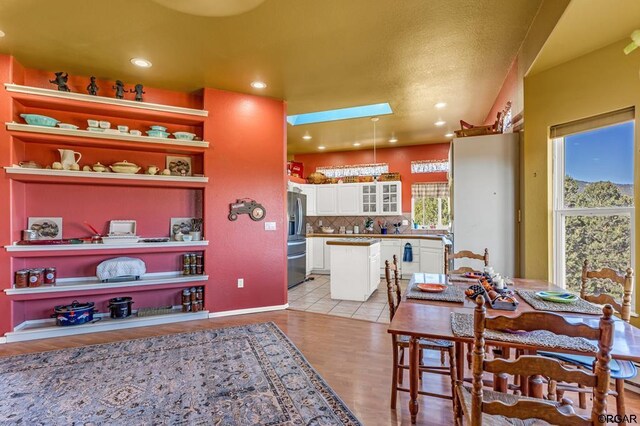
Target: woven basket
[
  {"x": 316, "y": 178},
  {"x": 385, "y": 177}
]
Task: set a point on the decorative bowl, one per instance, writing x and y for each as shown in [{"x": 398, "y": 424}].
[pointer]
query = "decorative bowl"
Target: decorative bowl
[
  {"x": 557, "y": 296},
  {"x": 156, "y": 127},
  {"x": 157, "y": 133},
  {"x": 431, "y": 288},
  {"x": 184, "y": 136},
  {"x": 95, "y": 129},
  {"x": 39, "y": 120},
  {"x": 99, "y": 167},
  {"x": 125, "y": 167},
  {"x": 105, "y": 125},
  {"x": 67, "y": 126},
  {"x": 135, "y": 132},
  {"x": 93, "y": 123},
  {"x": 123, "y": 129},
  {"x": 327, "y": 230}
]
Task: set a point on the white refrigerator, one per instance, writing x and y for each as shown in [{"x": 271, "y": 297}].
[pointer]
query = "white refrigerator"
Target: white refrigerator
[{"x": 485, "y": 199}]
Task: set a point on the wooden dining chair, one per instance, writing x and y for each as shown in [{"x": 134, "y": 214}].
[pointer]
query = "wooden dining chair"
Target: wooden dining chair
[
  {"x": 401, "y": 343},
  {"x": 620, "y": 370},
  {"x": 497, "y": 407},
  {"x": 463, "y": 254}
]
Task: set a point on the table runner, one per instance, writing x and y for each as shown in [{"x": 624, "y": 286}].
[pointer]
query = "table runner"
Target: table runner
[
  {"x": 462, "y": 326},
  {"x": 451, "y": 294},
  {"x": 580, "y": 306}
]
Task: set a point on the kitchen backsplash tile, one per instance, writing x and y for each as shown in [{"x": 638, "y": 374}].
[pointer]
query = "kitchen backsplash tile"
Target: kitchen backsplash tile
[{"x": 349, "y": 221}]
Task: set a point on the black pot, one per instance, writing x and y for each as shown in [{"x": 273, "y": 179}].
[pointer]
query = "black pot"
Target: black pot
[
  {"x": 74, "y": 314},
  {"x": 120, "y": 307}
]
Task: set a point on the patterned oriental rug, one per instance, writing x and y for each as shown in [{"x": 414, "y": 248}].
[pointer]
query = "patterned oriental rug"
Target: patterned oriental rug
[{"x": 248, "y": 375}]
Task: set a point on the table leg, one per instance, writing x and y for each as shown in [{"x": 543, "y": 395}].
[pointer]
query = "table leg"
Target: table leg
[
  {"x": 460, "y": 360},
  {"x": 414, "y": 373}
]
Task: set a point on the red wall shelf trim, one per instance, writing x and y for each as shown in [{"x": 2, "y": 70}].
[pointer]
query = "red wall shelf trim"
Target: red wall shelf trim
[
  {"x": 97, "y": 249},
  {"x": 92, "y": 178},
  {"x": 108, "y": 140},
  {"x": 18, "y": 90},
  {"x": 70, "y": 287}
]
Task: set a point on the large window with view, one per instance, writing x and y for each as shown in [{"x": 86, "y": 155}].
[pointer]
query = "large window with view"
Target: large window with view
[
  {"x": 430, "y": 205},
  {"x": 593, "y": 197}
]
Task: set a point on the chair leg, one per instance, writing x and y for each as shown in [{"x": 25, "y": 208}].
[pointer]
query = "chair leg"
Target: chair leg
[
  {"x": 469, "y": 355},
  {"x": 401, "y": 371},
  {"x": 582, "y": 398},
  {"x": 442, "y": 357},
  {"x": 620, "y": 400},
  {"x": 421, "y": 355},
  {"x": 454, "y": 375},
  {"x": 394, "y": 377}
]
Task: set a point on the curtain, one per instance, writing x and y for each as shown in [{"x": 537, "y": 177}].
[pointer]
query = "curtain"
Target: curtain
[{"x": 434, "y": 190}]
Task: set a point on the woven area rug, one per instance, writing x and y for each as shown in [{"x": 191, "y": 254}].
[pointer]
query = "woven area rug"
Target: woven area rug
[{"x": 248, "y": 375}]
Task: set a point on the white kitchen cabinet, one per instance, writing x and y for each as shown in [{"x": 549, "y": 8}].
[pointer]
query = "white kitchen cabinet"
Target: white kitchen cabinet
[
  {"x": 348, "y": 197},
  {"x": 354, "y": 275},
  {"x": 410, "y": 268},
  {"x": 327, "y": 200},
  {"x": 368, "y": 198},
  {"x": 432, "y": 256},
  {"x": 327, "y": 255},
  {"x": 389, "y": 247},
  {"x": 309, "y": 255},
  {"x": 390, "y": 194},
  {"x": 310, "y": 192},
  {"x": 317, "y": 251}
]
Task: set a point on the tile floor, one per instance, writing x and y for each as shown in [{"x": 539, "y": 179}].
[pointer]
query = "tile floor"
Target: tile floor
[{"x": 314, "y": 296}]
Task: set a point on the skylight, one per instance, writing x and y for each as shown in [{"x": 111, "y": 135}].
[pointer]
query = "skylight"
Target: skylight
[{"x": 340, "y": 114}]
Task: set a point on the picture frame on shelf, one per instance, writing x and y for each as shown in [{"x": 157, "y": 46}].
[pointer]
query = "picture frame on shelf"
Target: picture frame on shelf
[
  {"x": 182, "y": 225},
  {"x": 47, "y": 228},
  {"x": 179, "y": 165}
]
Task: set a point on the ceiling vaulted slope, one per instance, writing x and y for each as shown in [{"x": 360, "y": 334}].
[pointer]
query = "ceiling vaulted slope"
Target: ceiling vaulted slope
[{"x": 316, "y": 55}]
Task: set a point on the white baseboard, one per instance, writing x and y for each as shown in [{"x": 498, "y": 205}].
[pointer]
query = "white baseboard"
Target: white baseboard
[{"x": 248, "y": 311}]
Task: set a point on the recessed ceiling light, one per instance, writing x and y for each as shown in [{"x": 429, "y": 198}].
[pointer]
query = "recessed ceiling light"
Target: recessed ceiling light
[
  {"x": 448, "y": 135},
  {"x": 307, "y": 137},
  {"x": 440, "y": 123},
  {"x": 393, "y": 140},
  {"x": 321, "y": 147},
  {"x": 141, "y": 62},
  {"x": 258, "y": 84},
  {"x": 440, "y": 105},
  {"x": 2, "y": 34},
  {"x": 356, "y": 144}
]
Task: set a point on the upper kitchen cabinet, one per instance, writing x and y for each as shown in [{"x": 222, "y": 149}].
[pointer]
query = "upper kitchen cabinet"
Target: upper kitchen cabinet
[
  {"x": 310, "y": 192},
  {"x": 348, "y": 197},
  {"x": 369, "y": 198},
  {"x": 327, "y": 200},
  {"x": 390, "y": 198}
]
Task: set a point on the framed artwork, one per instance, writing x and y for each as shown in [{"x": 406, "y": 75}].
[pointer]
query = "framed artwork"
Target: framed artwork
[
  {"x": 48, "y": 228},
  {"x": 179, "y": 165},
  {"x": 180, "y": 224}
]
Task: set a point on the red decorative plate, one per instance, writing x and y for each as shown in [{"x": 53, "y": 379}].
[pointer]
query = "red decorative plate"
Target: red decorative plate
[{"x": 432, "y": 288}]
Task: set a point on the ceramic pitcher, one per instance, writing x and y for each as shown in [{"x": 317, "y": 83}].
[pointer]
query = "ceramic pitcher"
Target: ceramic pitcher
[{"x": 68, "y": 157}]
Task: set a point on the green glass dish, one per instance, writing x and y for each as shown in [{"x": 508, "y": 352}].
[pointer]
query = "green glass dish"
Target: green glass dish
[{"x": 557, "y": 296}]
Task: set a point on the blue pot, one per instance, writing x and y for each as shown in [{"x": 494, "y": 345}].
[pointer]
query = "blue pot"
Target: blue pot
[{"x": 74, "y": 314}]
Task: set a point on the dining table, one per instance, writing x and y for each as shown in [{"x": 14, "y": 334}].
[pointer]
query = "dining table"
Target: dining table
[{"x": 431, "y": 319}]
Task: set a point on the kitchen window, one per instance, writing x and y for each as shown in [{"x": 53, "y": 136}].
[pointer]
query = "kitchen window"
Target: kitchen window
[
  {"x": 593, "y": 197},
  {"x": 430, "y": 205}
]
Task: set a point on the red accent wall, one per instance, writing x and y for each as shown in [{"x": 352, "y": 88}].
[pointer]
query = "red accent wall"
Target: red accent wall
[
  {"x": 248, "y": 160},
  {"x": 5, "y": 197},
  {"x": 398, "y": 158}
]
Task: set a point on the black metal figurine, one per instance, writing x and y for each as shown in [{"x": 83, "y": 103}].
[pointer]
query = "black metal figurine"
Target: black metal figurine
[
  {"x": 61, "y": 81},
  {"x": 93, "y": 88},
  {"x": 138, "y": 91},
  {"x": 119, "y": 88}
]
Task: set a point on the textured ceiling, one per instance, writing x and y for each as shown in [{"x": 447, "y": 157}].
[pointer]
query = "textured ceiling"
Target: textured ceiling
[
  {"x": 316, "y": 55},
  {"x": 586, "y": 26}
]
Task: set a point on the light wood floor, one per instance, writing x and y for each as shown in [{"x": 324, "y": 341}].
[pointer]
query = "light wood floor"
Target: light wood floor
[{"x": 353, "y": 356}]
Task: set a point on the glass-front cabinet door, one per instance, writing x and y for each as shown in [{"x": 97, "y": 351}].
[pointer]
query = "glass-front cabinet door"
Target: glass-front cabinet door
[
  {"x": 369, "y": 197},
  {"x": 390, "y": 197}
]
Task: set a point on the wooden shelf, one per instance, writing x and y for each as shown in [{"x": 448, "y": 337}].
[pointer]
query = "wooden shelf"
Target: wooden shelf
[
  {"x": 93, "y": 178},
  {"x": 84, "y": 103},
  {"x": 91, "y": 284},
  {"x": 120, "y": 248},
  {"x": 44, "y": 134},
  {"x": 46, "y": 328}
]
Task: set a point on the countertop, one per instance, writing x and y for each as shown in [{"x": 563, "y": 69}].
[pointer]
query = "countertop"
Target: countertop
[
  {"x": 401, "y": 236},
  {"x": 360, "y": 241}
]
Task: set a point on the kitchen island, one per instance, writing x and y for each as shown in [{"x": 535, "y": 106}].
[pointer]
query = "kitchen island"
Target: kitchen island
[{"x": 355, "y": 266}]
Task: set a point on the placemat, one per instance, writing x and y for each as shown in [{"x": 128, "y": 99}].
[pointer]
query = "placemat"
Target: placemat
[
  {"x": 461, "y": 278},
  {"x": 451, "y": 294},
  {"x": 580, "y": 306},
  {"x": 462, "y": 326}
]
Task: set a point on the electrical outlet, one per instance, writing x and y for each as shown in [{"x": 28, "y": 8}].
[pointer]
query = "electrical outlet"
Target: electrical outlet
[
  {"x": 240, "y": 282},
  {"x": 269, "y": 226},
  {"x": 405, "y": 222}
]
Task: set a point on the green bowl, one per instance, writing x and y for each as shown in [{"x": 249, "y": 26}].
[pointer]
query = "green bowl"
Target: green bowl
[
  {"x": 39, "y": 120},
  {"x": 186, "y": 136},
  {"x": 157, "y": 134},
  {"x": 557, "y": 296}
]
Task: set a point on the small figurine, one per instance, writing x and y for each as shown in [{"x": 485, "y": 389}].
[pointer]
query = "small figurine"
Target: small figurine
[
  {"x": 61, "y": 81},
  {"x": 138, "y": 91},
  {"x": 93, "y": 88},
  {"x": 119, "y": 88}
]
